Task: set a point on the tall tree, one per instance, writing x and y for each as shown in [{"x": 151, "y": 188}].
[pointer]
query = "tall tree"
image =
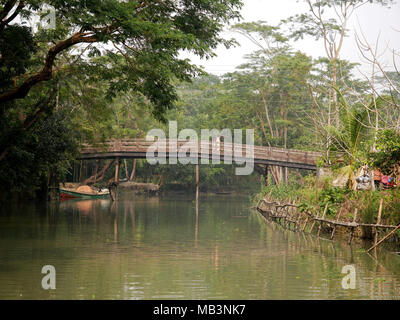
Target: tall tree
[
  {"x": 148, "y": 34},
  {"x": 273, "y": 83},
  {"x": 328, "y": 20},
  {"x": 132, "y": 45}
]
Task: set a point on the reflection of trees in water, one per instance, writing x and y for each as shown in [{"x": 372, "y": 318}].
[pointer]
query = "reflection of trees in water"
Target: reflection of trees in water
[
  {"x": 317, "y": 264},
  {"x": 175, "y": 248}
]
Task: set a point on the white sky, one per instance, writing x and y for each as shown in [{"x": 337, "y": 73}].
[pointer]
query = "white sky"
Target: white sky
[{"x": 373, "y": 19}]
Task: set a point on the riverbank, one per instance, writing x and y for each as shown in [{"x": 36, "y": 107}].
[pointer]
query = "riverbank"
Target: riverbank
[{"x": 317, "y": 207}]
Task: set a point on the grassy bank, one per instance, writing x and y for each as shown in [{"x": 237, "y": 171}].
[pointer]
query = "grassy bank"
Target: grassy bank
[{"x": 313, "y": 195}]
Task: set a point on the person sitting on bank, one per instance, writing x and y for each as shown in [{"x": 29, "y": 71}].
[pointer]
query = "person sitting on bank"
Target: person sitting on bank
[{"x": 377, "y": 178}]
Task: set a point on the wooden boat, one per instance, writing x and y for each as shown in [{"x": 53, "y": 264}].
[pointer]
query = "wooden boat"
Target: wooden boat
[{"x": 83, "y": 192}]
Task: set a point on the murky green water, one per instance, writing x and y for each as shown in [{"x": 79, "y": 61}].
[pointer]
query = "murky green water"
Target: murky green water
[{"x": 156, "y": 248}]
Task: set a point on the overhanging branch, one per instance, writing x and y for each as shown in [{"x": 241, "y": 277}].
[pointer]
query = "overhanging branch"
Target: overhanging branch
[{"x": 46, "y": 73}]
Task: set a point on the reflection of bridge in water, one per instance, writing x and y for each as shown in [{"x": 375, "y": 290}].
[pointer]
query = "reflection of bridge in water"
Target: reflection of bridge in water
[{"x": 138, "y": 148}]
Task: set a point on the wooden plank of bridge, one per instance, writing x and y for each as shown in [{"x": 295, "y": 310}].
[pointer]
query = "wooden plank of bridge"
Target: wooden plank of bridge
[{"x": 297, "y": 158}]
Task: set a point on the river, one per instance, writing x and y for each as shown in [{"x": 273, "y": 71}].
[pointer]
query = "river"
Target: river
[{"x": 163, "y": 248}]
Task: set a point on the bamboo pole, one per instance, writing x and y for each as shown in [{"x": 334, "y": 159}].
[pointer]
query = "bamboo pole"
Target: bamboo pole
[
  {"x": 376, "y": 236},
  {"x": 196, "y": 228},
  {"x": 305, "y": 224},
  {"x": 323, "y": 217},
  {"x": 312, "y": 226},
  {"x": 352, "y": 228},
  {"x": 197, "y": 182},
  {"x": 334, "y": 226},
  {"x": 384, "y": 238},
  {"x": 278, "y": 216}
]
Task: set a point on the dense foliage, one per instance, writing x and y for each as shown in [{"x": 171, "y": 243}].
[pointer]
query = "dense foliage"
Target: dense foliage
[
  {"x": 77, "y": 69},
  {"x": 113, "y": 69},
  {"x": 388, "y": 155}
]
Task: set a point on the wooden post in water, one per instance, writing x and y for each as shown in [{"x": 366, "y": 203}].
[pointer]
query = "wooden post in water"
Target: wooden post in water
[
  {"x": 197, "y": 183},
  {"x": 378, "y": 221},
  {"x": 352, "y": 228},
  {"x": 384, "y": 238},
  {"x": 312, "y": 226},
  {"x": 196, "y": 227},
  {"x": 116, "y": 179},
  {"x": 337, "y": 219},
  {"x": 113, "y": 187},
  {"x": 305, "y": 224},
  {"x": 323, "y": 217}
]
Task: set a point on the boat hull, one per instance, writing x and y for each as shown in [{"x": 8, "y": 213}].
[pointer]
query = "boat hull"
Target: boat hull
[{"x": 69, "y": 194}]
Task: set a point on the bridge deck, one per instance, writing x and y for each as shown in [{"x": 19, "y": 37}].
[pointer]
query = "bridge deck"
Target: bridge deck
[{"x": 138, "y": 148}]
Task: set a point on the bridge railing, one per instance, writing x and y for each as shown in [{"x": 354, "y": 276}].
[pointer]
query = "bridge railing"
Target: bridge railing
[{"x": 204, "y": 148}]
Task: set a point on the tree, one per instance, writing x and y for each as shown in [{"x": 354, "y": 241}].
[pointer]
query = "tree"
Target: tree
[
  {"x": 352, "y": 137},
  {"x": 328, "y": 20},
  {"x": 272, "y": 84},
  {"x": 321, "y": 92},
  {"x": 99, "y": 50},
  {"x": 383, "y": 85},
  {"x": 148, "y": 34},
  {"x": 387, "y": 157},
  {"x": 41, "y": 155}
]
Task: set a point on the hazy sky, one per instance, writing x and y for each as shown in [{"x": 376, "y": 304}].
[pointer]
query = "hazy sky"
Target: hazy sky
[{"x": 372, "y": 19}]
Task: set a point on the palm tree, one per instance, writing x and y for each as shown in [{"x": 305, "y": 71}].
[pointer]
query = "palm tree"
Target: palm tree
[{"x": 347, "y": 137}]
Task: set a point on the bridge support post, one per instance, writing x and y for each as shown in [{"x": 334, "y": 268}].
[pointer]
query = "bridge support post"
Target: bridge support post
[
  {"x": 113, "y": 187},
  {"x": 116, "y": 179},
  {"x": 197, "y": 183},
  {"x": 266, "y": 175}
]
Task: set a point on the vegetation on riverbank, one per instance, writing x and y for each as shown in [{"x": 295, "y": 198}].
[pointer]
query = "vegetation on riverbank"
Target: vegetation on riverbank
[
  {"x": 313, "y": 195},
  {"x": 320, "y": 198},
  {"x": 108, "y": 74}
]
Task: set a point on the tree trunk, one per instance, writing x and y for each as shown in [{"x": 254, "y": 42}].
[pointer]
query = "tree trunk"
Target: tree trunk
[
  {"x": 133, "y": 170},
  {"x": 126, "y": 170},
  {"x": 99, "y": 176}
]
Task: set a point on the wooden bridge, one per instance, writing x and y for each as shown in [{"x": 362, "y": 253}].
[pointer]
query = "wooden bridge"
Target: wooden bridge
[{"x": 138, "y": 148}]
